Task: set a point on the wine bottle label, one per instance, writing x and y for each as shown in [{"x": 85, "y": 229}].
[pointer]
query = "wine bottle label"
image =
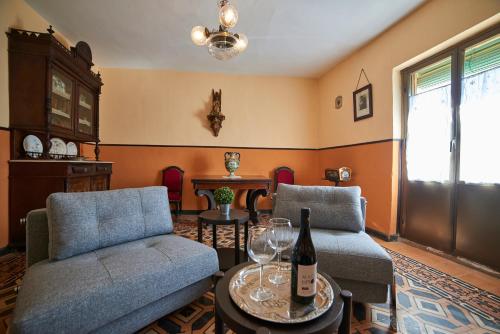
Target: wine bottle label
[{"x": 306, "y": 280}]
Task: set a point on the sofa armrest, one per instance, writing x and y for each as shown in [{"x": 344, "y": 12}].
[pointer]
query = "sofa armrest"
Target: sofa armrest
[{"x": 37, "y": 237}]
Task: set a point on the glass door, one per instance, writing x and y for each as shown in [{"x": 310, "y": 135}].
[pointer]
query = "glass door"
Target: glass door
[
  {"x": 428, "y": 172},
  {"x": 61, "y": 100},
  {"x": 85, "y": 111},
  {"x": 478, "y": 195}
]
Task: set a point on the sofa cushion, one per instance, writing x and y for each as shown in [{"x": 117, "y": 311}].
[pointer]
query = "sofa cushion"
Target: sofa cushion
[
  {"x": 85, "y": 292},
  {"x": 331, "y": 207},
  {"x": 352, "y": 256},
  {"x": 82, "y": 222}
]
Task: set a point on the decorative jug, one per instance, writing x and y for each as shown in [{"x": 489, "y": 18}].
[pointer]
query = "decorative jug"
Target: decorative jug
[{"x": 232, "y": 162}]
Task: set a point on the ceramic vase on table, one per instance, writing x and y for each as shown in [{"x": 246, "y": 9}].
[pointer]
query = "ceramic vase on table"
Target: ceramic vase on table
[{"x": 232, "y": 162}]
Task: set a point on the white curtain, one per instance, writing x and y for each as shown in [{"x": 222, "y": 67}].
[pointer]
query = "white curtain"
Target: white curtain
[
  {"x": 480, "y": 128},
  {"x": 429, "y": 134}
]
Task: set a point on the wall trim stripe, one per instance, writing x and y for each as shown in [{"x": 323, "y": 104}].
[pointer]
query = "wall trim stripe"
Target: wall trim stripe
[
  {"x": 4, "y": 128},
  {"x": 362, "y": 143},
  {"x": 257, "y": 148}
]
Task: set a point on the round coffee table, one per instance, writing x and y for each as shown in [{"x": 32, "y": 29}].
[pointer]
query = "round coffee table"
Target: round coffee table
[
  {"x": 228, "y": 257},
  {"x": 337, "y": 318}
]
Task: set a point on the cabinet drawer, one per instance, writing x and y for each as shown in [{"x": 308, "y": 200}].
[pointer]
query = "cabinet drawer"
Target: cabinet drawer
[
  {"x": 81, "y": 169},
  {"x": 99, "y": 183},
  {"x": 101, "y": 168},
  {"x": 78, "y": 184}
]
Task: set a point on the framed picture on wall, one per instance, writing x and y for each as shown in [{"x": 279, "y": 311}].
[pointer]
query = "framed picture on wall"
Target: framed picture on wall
[{"x": 362, "y": 101}]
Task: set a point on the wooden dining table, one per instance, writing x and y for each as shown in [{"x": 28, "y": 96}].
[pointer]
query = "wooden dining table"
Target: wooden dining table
[{"x": 255, "y": 185}]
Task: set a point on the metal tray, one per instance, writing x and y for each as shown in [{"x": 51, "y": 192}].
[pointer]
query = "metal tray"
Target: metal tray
[{"x": 281, "y": 308}]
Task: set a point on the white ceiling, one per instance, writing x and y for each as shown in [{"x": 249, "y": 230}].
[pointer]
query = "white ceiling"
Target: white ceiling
[{"x": 286, "y": 37}]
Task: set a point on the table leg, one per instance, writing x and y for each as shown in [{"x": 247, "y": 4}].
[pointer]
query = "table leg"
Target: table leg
[
  {"x": 219, "y": 324},
  {"x": 246, "y": 239},
  {"x": 248, "y": 198},
  {"x": 254, "y": 197},
  {"x": 200, "y": 231},
  {"x": 345, "y": 325},
  {"x": 214, "y": 236},
  {"x": 236, "y": 242},
  {"x": 209, "y": 195}
]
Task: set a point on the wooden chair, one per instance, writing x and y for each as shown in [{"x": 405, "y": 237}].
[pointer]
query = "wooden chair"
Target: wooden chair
[
  {"x": 172, "y": 178},
  {"x": 283, "y": 174}
]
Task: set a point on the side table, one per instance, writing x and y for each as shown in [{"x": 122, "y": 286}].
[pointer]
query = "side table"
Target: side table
[
  {"x": 228, "y": 257},
  {"x": 337, "y": 318}
]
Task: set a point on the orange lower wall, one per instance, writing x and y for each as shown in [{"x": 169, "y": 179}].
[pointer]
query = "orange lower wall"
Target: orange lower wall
[
  {"x": 372, "y": 165},
  {"x": 4, "y": 187},
  {"x": 372, "y": 170},
  {"x": 137, "y": 166}
]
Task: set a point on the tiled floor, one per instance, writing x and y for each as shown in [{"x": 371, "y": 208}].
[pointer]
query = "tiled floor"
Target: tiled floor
[{"x": 475, "y": 277}]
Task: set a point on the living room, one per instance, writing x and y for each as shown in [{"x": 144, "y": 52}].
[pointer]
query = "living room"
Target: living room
[{"x": 321, "y": 97}]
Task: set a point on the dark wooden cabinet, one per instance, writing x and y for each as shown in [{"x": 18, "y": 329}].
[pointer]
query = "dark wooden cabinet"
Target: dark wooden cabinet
[
  {"x": 31, "y": 181},
  {"x": 52, "y": 91},
  {"x": 53, "y": 95}
]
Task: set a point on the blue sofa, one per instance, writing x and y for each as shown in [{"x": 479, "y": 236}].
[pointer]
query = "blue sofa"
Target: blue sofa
[{"x": 107, "y": 262}]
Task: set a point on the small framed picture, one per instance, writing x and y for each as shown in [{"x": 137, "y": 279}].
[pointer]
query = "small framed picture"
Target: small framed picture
[{"x": 362, "y": 101}]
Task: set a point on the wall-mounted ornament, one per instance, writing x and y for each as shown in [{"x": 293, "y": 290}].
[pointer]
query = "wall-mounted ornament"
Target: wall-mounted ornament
[
  {"x": 338, "y": 102},
  {"x": 362, "y": 99},
  {"x": 215, "y": 117}
]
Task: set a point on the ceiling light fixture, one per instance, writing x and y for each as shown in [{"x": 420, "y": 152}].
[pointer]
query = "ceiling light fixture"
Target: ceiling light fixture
[{"x": 221, "y": 43}]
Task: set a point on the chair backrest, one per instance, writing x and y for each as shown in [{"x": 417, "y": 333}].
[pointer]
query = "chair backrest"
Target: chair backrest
[
  {"x": 284, "y": 175},
  {"x": 336, "y": 208},
  {"x": 172, "y": 178}
]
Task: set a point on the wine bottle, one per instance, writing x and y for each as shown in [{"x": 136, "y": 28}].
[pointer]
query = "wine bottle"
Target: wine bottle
[{"x": 304, "y": 263}]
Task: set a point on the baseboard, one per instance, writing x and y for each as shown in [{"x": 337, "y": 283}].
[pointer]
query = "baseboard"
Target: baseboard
[
  {"x": 6, "y": 250},
  {"x": 383, "y": 236}
]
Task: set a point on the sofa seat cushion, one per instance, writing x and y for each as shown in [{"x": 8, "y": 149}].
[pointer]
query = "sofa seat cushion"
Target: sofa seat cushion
[
  {"x": 87, "y": 291},
  {"x": 352, "y": 256}
]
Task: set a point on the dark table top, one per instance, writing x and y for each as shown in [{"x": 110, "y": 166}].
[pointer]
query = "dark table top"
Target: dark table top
[
  {"x": 215, "y": 217},
  {"x": 241, "y": 322}
]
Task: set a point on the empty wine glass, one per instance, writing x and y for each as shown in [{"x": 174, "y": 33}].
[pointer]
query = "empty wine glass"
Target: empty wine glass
[
  {"x": 261, "y": 251},
  {"x": 283, "y": 238}
]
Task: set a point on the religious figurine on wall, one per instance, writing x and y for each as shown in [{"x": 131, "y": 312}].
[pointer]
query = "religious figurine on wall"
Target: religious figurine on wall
[{"x": 215, "y": 117}]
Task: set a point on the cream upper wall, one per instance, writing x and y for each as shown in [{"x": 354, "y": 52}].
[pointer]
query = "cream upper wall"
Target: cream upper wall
[
  {"x": 15, "y": 14},
  {"x": 168, "y": 107},
  {"x": 432, "y": 24}
]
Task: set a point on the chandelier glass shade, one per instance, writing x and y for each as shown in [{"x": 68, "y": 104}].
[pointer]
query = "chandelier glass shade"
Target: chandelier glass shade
[{"x": 221, "y": 43}]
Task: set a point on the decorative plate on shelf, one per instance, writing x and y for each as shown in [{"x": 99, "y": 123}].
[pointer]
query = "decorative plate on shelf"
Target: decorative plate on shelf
[
  {"x": 58, "y": 147},
  {"x": 280, "y": 308},
  {"x": 33, "y": 146},
  {"x": 71, "y": 149}
]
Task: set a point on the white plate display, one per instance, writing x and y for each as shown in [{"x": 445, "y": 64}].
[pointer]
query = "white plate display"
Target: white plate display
[
  {"x": 71, "y": 149},
  {"x": 58, "y": 147},
  {"x": 32, "y": 146}
]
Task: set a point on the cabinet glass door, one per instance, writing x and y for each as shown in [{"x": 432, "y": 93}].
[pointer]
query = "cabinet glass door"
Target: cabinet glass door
[
  {"x": 85, "y": 111},
  {"x": 61, "y": 100}
]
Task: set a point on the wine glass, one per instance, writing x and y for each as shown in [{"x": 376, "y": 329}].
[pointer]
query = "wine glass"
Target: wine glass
[
  {"x": 261, "y": 251},
  {"x": 283, "y": 238}
]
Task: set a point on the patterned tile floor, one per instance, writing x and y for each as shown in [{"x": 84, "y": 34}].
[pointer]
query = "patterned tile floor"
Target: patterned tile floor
[{"x": 429, "y": 301}]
